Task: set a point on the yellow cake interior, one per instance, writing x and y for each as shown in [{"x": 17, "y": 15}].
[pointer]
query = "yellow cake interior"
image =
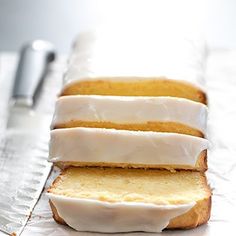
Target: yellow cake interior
[
  {"x": 132, "y": 185},
  {"x": 132, "y": 87}
]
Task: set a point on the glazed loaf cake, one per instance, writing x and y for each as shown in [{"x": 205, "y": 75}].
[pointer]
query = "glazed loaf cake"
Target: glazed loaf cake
[
  {"x": 124, "y": 200},
  {"x": 129, "y": 134}
]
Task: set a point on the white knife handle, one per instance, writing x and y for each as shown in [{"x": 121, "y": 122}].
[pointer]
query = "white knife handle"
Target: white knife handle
[{"x": 34, "y": 58}]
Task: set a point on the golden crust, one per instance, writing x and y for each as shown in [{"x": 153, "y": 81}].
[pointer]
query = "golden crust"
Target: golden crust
[
  {"x": 201, "y": 164},
  {"x": 198, "y": 215},
  {"x": 172, "y": 127},
  {"x": 147, "y": 87},
  {"x": 55, "y": 214}
]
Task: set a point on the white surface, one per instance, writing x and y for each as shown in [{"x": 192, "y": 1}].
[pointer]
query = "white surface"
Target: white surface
[
  {"x": 97, "y": 145},
  {"x": 221, "y": 86},
  {"x": 59, "y": 21},
  {"x": 130, "y": 110},
  {"x": 83, "y": 214}
]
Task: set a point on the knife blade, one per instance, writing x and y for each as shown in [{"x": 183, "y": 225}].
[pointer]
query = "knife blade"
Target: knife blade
[{"x": 24, "y": 149}]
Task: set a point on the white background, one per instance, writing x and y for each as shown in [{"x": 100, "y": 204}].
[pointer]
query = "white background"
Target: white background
[{"x": 59, "y": 21}]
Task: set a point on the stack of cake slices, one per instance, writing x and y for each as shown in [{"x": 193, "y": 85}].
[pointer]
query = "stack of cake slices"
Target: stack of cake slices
[{"x": 129, "y": 135}]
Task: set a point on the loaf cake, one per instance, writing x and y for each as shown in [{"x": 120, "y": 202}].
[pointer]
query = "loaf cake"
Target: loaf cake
[
  {"x": 161, "y": 114},
  {"x": 105, "y": 63},
  {"x": 129, "y": 132},
  {"x": 123, "y": 148},
  {"x": 123, "y": 200}
]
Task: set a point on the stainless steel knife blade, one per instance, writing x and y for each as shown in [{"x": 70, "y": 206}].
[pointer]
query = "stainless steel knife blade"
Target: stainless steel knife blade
[{"x": 24, "y": 148}]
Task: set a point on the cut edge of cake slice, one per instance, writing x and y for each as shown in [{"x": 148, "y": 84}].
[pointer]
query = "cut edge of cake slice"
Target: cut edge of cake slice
[{"x": 125, "y": 200}]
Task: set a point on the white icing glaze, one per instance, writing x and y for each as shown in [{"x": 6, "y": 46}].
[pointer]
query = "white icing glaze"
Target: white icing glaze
[
  {"x": 122, "y": 54},
  {"x": 122, "y": 146},
  {"x": 99, "y": 216},
  {"x": 130, "y": 110}
]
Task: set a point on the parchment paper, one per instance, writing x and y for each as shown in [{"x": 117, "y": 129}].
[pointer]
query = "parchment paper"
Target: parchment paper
[{"x": 221, "y": 87}]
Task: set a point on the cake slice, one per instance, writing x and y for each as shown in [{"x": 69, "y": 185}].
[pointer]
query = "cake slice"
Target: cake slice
[
  {"x": 124, "y": 148},
  {"x": 161, "y": 114},
  {"x": 124, "y": 200},
  {"x": 125, "y": 62}
]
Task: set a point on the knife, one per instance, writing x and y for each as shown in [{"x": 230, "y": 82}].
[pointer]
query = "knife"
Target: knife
[{"x": 23, "y": 161}]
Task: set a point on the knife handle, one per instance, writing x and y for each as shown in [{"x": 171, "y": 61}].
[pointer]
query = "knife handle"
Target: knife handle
[{"x": 34, "y": 59}]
